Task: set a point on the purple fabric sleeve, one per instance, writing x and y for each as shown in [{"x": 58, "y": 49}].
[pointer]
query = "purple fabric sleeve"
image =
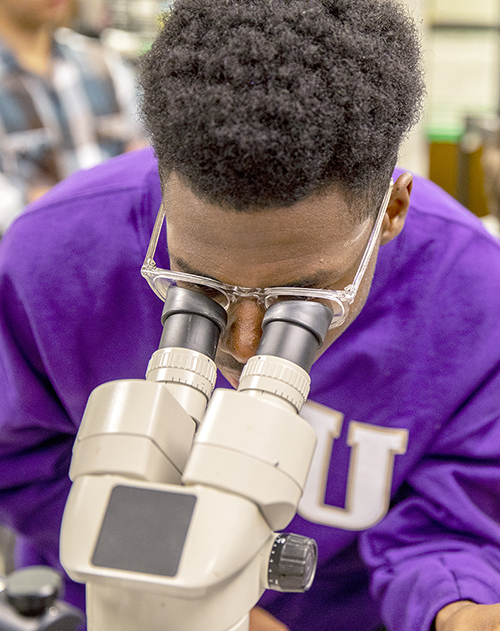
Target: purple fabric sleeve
[
  {"x": 67, "y": 324},
  {"x": 440, "y": 542},
  {"x": 35, "y": 451}
]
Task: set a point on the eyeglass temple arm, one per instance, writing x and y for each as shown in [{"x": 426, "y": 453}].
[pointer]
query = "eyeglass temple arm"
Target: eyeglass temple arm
[
  {"x": 354, "y": 286},
  {"x": 153, "y": 242}
]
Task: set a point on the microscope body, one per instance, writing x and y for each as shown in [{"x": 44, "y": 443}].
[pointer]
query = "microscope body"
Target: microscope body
[{"x": 172, "y": 525}]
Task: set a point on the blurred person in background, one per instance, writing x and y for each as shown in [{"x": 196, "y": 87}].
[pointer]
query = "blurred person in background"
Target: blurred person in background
[{"x": 66, "y": 101}]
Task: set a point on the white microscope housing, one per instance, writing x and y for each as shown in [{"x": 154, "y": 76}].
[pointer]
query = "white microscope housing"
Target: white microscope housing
[{"x": 172, "y": 516}]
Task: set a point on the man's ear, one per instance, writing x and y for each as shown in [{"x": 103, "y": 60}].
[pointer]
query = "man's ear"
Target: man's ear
[{"x": 399, "y": 203}]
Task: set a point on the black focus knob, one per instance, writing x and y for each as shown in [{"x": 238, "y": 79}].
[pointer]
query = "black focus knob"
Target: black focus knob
[
  {"x": 32, "y": 590},
  {"x": 292, "y": 563}
]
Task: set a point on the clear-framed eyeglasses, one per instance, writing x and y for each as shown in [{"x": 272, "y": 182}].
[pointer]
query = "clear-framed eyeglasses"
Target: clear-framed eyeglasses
[{"x": 339, "y": 300}]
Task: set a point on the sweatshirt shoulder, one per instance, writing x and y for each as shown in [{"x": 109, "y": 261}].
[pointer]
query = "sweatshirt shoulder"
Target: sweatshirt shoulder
[
  {"x": 133, "y": 171},
  {"x": 117, "y": 187},
  {"x": 111, "y": 207},
  {"x": 435, "y": 216}
]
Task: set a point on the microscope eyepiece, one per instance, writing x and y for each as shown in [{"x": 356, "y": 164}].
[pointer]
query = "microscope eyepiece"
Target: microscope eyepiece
[
  {"x": 184, "y": 361},
  {"x": 294, "y": 330},
  {"x": 191, "y": 320}
]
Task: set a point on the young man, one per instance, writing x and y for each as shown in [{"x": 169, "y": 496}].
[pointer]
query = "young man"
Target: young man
[
  {"x": 276, "y": 126},
  {"x": 66, "y": 102}
]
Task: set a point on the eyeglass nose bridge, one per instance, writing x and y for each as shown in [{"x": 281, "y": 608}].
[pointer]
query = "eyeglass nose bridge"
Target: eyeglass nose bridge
[{"x": 234, "y": 294}]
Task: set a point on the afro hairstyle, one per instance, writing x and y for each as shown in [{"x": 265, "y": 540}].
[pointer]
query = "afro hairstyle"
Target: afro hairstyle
[{"x": 257, "y": 104}]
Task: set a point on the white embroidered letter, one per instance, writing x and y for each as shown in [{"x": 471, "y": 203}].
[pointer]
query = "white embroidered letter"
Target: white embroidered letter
[{"x": 373, "y": 449}]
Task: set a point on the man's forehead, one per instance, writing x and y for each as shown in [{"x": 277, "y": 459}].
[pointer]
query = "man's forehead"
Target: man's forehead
[
  {"x": 310, "y": 217},
  {"x": 298, "y": 246},
  {"x": 317, "y": 278}
]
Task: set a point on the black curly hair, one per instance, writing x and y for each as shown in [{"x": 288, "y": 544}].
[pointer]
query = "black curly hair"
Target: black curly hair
[{"x": 261, "y": 103}]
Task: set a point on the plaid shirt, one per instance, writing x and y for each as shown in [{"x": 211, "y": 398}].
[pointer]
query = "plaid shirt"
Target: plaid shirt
[{"x": 50, "y": 127}]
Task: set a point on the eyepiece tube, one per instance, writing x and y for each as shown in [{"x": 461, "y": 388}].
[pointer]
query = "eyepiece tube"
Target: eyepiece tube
[
  {"x": 295, "y": 330},
  {"x": 192, "y": 324},
  {"x": 191, "y": 320}
]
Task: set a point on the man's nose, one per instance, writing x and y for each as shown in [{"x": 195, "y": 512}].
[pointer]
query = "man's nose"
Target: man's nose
[{"x": 244, "y": 329}]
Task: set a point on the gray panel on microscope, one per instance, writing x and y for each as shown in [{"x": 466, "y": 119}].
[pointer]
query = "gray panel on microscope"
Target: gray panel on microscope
[{"x": 144, "y": 530}]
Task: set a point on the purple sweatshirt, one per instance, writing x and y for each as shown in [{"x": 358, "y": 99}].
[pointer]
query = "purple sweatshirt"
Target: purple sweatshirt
[{"x": 409, "y": 397}]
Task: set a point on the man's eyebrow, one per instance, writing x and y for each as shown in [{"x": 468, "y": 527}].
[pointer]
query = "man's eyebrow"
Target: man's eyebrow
[
  {"x": 316, "y": 280},
  {"x": 185, "y": 267}
]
